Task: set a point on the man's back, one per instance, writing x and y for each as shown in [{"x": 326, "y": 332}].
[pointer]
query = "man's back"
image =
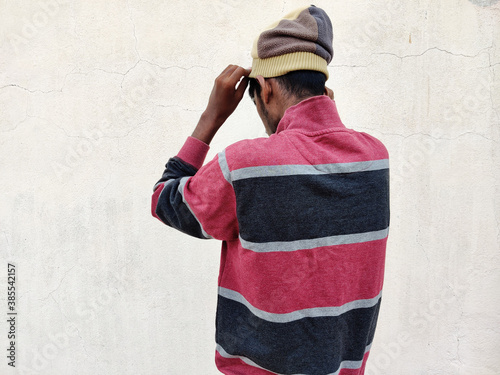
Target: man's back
[{"x": 302, "y": 264}]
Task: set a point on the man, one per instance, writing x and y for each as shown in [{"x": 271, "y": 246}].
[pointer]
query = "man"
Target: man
[{"x": 303, "y": 215}]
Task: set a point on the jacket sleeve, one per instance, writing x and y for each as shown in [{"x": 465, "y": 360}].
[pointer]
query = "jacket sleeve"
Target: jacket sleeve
[{"x": 197, "y": 201}]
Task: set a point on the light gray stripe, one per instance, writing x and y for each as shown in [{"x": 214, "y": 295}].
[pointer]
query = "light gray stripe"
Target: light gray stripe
[
  {"x": 299, "y": 314},
  {"x": 287, "y": 170},
  {"x": 344, "y": 239},
  {"x": 224, "y": 166},
  {"x": 180, "y": 189},
  {"x": 352, "y": 365},
  {"x": 225, "y": 354},
  {"x": 164, "y": 182}
]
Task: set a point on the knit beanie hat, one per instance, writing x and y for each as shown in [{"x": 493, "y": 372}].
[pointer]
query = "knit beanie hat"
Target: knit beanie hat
[{"x": 302, "y": 40}]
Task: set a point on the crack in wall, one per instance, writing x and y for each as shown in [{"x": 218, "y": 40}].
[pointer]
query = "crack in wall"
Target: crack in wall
[
  {"x": 58, "y": 286},
  {"x": 348, "y": 66},
  {"x": 180, "y": 107},
  {"x": 85, "y": 73},
  {"x": 36, "y": 91},
  {"x": 133, "y": 25},
  {"x": 432, "y": 49},
  {"x": 29, "y": 90}
]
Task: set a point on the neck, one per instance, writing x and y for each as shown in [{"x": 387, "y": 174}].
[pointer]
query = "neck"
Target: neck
[{"x": 290, "y": 102}]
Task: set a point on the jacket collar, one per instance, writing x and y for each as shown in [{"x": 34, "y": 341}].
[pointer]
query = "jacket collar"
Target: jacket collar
[{"x": 311, "y": 115}]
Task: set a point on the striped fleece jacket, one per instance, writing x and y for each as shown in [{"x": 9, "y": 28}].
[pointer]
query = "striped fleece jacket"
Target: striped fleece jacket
[{"x": 303, "y": 216}]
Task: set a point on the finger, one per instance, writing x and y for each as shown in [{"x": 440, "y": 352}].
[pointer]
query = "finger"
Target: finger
[
  {"x": 228, "y": 71},
  {"x": 239, "y": 72},
  {"x": 228, "y": 77},
  {"x": 224, "y": 79}
]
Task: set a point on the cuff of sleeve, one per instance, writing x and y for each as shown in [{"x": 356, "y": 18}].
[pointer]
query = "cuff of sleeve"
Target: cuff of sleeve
[{"x": 193, "y": 152}]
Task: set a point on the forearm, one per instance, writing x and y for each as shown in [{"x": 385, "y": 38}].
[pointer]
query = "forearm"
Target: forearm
[
  {"x": 168, "y": 203},
  {"x": 226, "y": 94},
  {"x": 206, "y": 128}
]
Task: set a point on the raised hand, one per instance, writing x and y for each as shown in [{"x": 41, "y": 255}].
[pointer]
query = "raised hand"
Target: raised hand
[{"x": 225, "y": 97}]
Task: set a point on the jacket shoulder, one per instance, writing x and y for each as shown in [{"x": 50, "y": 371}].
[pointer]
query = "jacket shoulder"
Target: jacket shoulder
[{"x": 257, "y": 152}]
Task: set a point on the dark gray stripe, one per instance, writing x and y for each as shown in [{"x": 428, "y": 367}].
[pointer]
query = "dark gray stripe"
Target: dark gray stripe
[
  {"x": 166, "y": 183},
  {"x": 319, "y": 342},
  {"x": 180, "y": 189},
  {"x": 319, "y": 169},
  {"x": 299, "y": 314},
  {"x": 344, "y": 239}
]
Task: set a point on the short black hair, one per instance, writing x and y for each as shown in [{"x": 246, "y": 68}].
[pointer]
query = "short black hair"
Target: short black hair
[
  {"x": 299, "y": 83},
  {"x": 253, "y": 88}
]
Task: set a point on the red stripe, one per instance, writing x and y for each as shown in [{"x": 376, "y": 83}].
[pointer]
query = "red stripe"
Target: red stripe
[
  {"x": 235, "y": 366},
  {"x": 193, "y": 152},
  {"x": 213, "y": 203},
  {"x": 282, "y": 282},
  {"x": 299, "y": 150},
  {"x": 154, "y": 200},
  {"x": 359, "y": 371}
]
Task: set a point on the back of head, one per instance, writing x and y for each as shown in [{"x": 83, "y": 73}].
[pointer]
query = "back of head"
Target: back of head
[{"x": 296, "y": 51}]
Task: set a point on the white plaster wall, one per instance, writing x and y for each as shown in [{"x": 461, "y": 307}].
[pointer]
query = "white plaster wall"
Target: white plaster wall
[{"x": 95, "y": 96}]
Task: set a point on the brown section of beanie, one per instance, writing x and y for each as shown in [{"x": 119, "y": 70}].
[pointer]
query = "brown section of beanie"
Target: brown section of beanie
[{"x": 299, "y": 35}]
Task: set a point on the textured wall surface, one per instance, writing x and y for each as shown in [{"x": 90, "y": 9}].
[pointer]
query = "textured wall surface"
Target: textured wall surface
[{"x": 95, "y": 96}]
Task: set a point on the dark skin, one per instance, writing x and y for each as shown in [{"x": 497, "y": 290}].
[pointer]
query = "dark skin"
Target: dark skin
[{"x": 227, "y": 94}]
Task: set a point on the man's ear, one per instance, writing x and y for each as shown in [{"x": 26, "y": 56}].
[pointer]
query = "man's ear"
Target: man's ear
[
  {"x": 266, "y": 89},
  {"x": 329, "y": 92}
]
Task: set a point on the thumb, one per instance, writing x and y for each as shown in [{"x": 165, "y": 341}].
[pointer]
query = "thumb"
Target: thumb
[{"x": 240, "y": 91}]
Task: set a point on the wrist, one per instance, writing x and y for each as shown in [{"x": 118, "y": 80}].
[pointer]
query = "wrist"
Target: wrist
[{"x": 206, "y": 128}]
